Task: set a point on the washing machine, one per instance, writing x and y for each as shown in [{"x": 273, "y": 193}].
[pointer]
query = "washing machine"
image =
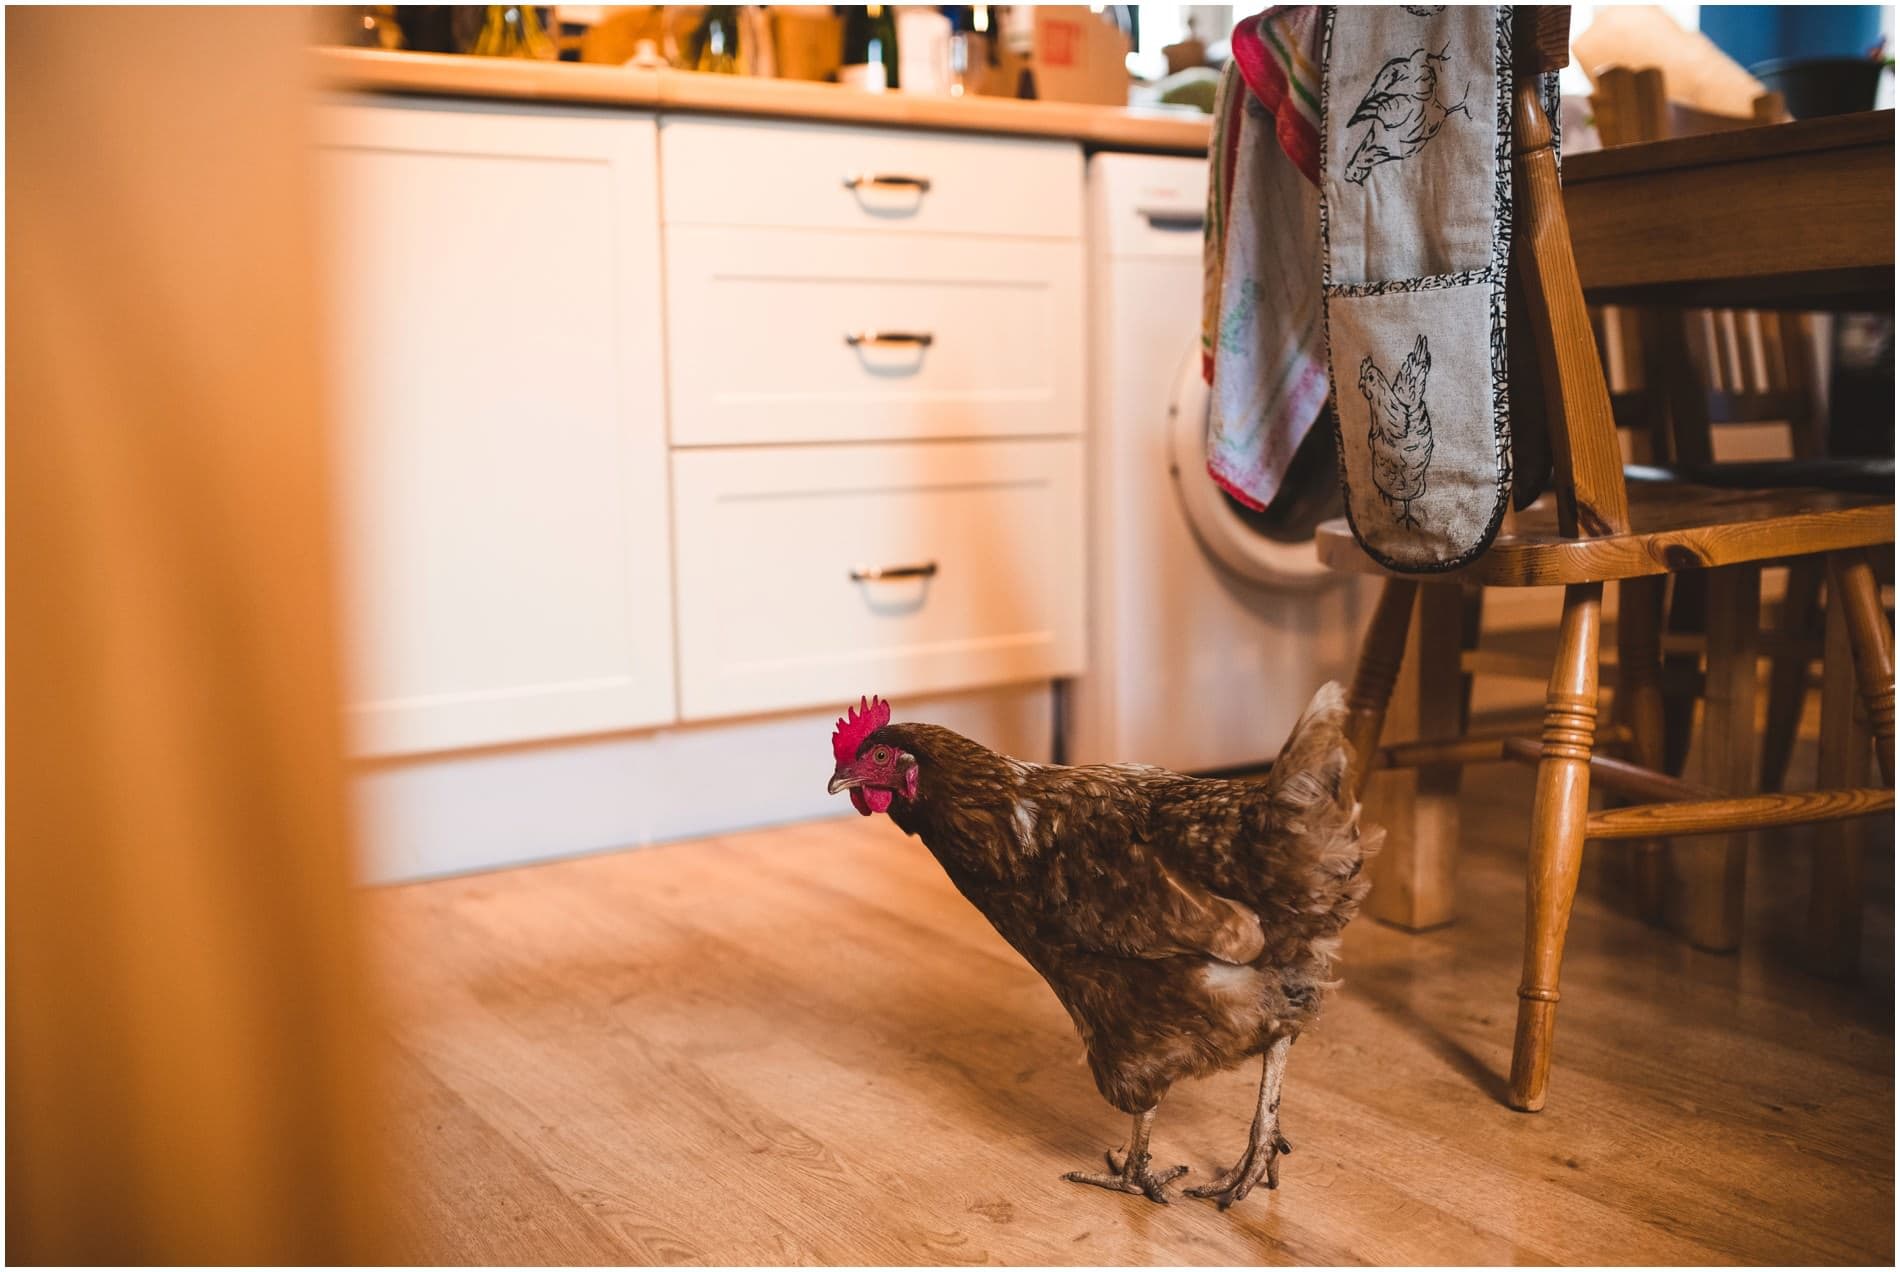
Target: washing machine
[{"x": 1210, "y": 627}]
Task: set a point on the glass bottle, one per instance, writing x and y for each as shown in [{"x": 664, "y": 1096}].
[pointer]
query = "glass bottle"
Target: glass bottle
[
  {"x": 515, "y": 30},
  {"x": 870, "y": 48},
  {"x": 971, "y": 53},
  {"x": 717, "y": 40}
]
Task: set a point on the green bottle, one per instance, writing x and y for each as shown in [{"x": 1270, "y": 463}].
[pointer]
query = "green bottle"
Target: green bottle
[{"x": 870, "y": 47}]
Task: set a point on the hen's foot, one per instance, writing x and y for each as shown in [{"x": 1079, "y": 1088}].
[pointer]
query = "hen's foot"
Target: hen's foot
[
  {"x": 1265, "y": 1144},
  {"x": 1132, "y": 1174},
  {"x": 1260, "y": 1161}
]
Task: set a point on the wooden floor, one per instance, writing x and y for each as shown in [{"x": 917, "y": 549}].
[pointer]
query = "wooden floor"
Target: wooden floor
[{"x": 801, "y": 1046}]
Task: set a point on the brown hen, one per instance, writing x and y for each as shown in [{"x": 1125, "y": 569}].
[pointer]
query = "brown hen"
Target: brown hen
[{"x": 1185, "y": 923}]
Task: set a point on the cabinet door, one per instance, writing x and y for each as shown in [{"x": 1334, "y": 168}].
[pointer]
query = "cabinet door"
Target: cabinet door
[
  {"x": 813, "y": 574},
  {"x": 496, "y": 364}
]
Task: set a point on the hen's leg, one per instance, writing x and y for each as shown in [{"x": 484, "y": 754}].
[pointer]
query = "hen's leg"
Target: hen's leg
[
  {"x": 1265, "y": 1144},
  {"x": 1130, "y": 1166}
]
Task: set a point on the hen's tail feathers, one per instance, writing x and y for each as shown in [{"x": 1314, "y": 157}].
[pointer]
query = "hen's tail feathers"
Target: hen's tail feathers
[
  {"x": 1312, "y": 799},
  {"x": 1305, "y": 775}
]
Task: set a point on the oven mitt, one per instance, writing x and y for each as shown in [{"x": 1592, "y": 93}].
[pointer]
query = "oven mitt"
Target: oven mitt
[{"x": 1415, "y": 228}]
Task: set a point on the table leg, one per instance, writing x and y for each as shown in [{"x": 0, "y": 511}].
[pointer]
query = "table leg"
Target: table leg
[
  {"x": 1710, "y": 871},
  {"x": 1838, "y": 871}
]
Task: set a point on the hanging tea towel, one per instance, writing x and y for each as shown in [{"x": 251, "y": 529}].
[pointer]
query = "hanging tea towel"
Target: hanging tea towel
[
  {"x": 1415, "y": 228},
  {"x": 1263, "y": 347}
]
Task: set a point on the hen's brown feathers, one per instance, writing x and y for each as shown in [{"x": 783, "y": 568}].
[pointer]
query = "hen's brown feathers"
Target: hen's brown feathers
[{"x": 1184, "y": 923}]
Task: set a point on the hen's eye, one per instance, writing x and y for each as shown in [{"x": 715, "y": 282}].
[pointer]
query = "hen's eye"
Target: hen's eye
[{"x": 881, "y": 756}]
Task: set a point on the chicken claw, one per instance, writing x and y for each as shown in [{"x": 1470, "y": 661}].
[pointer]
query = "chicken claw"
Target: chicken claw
[
  {"x": 1130, "y": 1167},
  {"x": 1260, "y": 1161},
  {"x": 1265, "y": 1144},
  {"x": 1132, "y": 1176}
]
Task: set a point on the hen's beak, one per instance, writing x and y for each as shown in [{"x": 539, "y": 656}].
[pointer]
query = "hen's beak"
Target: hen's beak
[{"x": 843, "y": 781}]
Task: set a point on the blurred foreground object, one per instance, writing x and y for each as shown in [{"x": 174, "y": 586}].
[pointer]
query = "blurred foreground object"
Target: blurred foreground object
[{"x": 190, "y": 1073}]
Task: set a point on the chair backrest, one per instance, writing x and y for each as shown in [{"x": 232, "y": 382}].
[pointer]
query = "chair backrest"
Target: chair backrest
[
  {"x": 1752, "y": 366},
  {"x": 1586, "y": 461}
]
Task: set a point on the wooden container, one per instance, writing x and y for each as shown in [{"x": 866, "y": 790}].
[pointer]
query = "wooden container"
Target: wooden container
[{"x": 809, "y": 41}]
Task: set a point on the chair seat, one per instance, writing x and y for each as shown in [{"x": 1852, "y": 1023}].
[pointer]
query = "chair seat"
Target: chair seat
[
  {"x": 1674, "y": 526},
  {"x": 1870, "y": 475}
]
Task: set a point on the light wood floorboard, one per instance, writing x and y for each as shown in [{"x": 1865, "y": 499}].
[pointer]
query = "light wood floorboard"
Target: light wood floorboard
[{"x": 800, "y": 1046}]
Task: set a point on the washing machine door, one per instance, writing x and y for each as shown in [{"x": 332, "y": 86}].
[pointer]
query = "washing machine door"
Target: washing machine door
[{"x": 1220, "y": 524}]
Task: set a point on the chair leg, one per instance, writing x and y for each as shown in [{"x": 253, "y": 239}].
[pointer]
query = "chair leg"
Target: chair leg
[
  {"x": 1711, "y": 871},
  {"x": 1837, "y": 890},
  {"x": 1379, "y": 657},
  {"x": 1556, "y": 853},
  {"x": 1788, "y": 671},
  {"x": 1640, "y": 706},
  {"x": 1414, "y": 875},
  {"x": 1852, "y": 586}
]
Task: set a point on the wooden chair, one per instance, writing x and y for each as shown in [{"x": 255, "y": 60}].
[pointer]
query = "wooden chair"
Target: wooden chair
[
  {"x": 1682, "y": 372},
  {"x": 1594, "y": 529}
]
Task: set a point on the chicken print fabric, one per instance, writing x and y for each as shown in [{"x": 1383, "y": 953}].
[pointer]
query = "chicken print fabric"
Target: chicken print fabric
[
  {"x": 1400, "y": 440},
  {"x": 1416, "y": 188},
  {"x": 1402, "y": 111},
  {"x": 1415, "y": 195}
]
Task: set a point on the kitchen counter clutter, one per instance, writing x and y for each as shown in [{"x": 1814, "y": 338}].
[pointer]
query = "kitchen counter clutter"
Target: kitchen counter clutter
[{"x": 669, "y": 91}]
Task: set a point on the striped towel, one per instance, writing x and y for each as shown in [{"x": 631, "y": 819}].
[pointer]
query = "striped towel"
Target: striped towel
[
  {"x": 1263, "y": 345},
  {"x": 1278, "y": 56}
]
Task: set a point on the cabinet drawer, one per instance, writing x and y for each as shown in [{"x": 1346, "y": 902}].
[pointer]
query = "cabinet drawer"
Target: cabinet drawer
[
  {"x": 762, "y": 325},
  {"x": 769, "y": 540},
  {"x": 814, "y": 176}
]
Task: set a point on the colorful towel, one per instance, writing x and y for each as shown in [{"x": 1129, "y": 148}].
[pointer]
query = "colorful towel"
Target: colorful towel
[
  {"x": 1262, "y": 344},
  {"x": 1278, "y": 56}
]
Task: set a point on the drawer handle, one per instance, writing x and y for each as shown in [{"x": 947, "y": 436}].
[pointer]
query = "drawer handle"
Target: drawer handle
[
  {"x": 920, "y": 184},
  {"x": 865, "y": 574},
  {"x": 921, "y": 339},
  {"x": 1174, "y": 219}
]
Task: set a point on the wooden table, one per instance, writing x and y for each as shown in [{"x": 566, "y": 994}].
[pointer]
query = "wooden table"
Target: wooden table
[{"x": 1795, "y": 215}]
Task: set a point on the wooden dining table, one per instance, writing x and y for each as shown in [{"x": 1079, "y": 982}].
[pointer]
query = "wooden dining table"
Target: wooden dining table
[{"x": 1792, "y": 215}]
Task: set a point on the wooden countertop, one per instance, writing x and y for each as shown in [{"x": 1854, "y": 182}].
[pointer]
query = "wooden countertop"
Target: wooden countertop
[{"x": 514, "y": 79}]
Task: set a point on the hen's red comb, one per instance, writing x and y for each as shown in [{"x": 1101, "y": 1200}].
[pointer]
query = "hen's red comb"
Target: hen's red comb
[{"x": 858, "y": 724}]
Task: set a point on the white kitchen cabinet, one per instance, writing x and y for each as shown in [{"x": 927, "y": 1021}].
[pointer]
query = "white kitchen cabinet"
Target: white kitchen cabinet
[
  {"x": 822, "y": 335},
  {"x": 497, "y": 369},
  {"x": 799, "y": 175},
  {"x": 815, "y": 574}
]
